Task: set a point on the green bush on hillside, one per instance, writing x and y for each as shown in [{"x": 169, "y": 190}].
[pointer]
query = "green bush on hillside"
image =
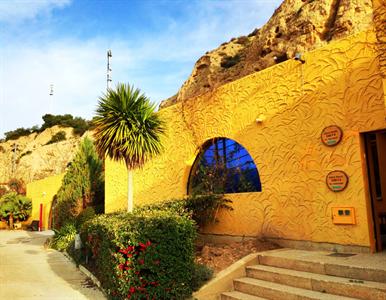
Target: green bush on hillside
[
  {"x": 148, "y": 255},
  {"x": 78, "y": 124},
  {"x": 57, "y": 137}
]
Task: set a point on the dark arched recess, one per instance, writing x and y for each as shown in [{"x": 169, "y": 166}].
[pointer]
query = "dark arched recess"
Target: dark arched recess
[{"x": 223, "y": 166}]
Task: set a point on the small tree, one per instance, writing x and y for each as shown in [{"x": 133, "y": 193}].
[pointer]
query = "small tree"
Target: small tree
[
  {"x": 127, "y": 128},
  {"x": 82, "y": 185},
  {"x": 14, "y": 207}
]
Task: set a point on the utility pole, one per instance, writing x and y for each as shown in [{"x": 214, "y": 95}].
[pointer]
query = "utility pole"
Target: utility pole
[
  {"x": 14, "y": 159},
  {"x": 109, "y": 79},
  {"x": 51, "y": 107}
]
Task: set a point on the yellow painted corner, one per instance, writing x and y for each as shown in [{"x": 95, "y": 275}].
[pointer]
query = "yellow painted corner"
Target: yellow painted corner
[{"x": 42, "y": 192}]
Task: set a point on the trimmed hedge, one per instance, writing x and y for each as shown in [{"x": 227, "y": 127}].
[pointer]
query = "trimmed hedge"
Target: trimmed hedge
[
  {"x": 202, "y": 209},
  {"x": 148, "y": 255}
]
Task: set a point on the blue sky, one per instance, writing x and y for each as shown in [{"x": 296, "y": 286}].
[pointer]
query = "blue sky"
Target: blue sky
[{"x": 62, "y": 42}]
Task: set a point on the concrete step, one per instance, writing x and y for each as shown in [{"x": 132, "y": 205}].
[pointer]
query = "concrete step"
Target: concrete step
[
  {"x": 321, "y": 263},
  {"x": 321, "y": 283},
  {"x": 277, "y": 291},
  {"x": 238, "y": 296}
]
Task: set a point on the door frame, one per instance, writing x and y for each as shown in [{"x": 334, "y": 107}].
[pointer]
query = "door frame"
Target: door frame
[{"x": 368, "y": 196}]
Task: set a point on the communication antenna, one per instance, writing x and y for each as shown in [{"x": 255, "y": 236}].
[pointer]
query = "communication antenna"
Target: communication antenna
[
  {"x": 51, "y": 108},
  {"x": 109, "y": 80}
]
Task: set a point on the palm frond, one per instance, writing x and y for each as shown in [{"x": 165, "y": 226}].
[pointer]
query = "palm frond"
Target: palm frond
[{"x": 127, "y": 126}]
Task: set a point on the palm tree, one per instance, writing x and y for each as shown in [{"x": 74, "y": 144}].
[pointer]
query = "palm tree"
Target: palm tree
[{"x": 127, "y": 128}]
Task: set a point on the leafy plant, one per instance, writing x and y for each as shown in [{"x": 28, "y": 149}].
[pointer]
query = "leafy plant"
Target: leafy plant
[
  {"x": 85, "y": 215},
  {"x": 127, "y": 128},
  {"x": 63, "y": 237},
  {"x": 201, "y": 274},
  {"x": 148, "y": 255},
  {"x": 202, "y": 209},
  {"x": 82, "y": 186},
  {"x": 15, "y": 207}
]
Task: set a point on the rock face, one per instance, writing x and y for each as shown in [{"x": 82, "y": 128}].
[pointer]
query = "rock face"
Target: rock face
[
  {"x": 33, "y": 159},
  {"x": 297, "y": 26}
]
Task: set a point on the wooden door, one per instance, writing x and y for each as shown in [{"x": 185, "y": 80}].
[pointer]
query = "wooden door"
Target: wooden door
[{"x": 376, "y": 161}]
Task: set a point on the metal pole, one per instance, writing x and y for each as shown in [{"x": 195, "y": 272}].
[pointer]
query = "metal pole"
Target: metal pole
[
  {"x": 14, "y": 159},
  {"x": 109, "y": 79}
]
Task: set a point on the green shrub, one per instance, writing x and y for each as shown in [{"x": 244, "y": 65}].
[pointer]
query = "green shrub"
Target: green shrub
[
  {"x": 87, "y": 214},
  {"x": 148, "y": 255},
  {"x": 57, "y": 137},
  {"x": 201, "y": 274},
  {"x": 229, "y": 61},
  {"x": 64, "y": 237},
  {"x": 202, "y": 209},
  {"x": 17, "y": 206},
  {"x": 82, "y": 185},
  {"x": 80, "y": 125}
]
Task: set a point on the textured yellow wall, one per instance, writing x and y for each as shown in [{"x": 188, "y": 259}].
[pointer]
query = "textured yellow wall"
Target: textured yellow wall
[
  {"x": 339, "y": 84},
  {"x": 43, "y": 191}
]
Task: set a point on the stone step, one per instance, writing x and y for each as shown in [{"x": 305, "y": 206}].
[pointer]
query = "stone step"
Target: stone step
[
  {"x": 321, "y": 263},
  {"x": 321, "y": 283},
  {"x": 271, "y": 290},
  {"x": 235, "y": 295}
]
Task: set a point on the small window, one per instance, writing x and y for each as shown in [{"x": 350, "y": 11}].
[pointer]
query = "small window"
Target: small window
[{"x": 223, "y": 166}]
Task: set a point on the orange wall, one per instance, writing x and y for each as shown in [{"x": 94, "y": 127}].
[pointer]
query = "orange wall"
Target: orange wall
[{"x": 338, "y": 85}]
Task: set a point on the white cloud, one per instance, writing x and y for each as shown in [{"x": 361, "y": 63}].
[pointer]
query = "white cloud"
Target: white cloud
[
  {"x": 19, "y": 10},
  {"x": 156, "y": 63}
]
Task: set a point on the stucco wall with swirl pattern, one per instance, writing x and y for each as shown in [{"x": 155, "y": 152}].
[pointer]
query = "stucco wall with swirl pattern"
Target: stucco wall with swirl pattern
[{"x": 338, "y": 85}]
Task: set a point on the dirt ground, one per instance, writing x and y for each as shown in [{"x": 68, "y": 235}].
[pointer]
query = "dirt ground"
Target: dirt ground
[{"x": 219, "y": 257}]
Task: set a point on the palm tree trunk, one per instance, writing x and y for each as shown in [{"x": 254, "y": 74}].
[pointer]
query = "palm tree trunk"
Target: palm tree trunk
[
  {"x": 11, "y": 221},
  {"x": 129, "y": 190}
]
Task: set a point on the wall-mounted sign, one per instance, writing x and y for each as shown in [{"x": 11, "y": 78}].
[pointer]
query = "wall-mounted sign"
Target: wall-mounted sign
[
  {"x": 331, "y": 135},
  {"x": 337, "y": 181}
]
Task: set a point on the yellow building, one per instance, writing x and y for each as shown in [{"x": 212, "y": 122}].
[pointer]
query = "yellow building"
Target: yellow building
[
  {"x": 42, "y": 192},
  {"x": 296, "y": 123}
]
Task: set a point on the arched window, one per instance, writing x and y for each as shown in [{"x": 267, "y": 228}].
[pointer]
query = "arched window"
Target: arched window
[{"x": 223, "y": 166}]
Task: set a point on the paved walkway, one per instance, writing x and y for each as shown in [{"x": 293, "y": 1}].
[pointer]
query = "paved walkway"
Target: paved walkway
[{"x": 28, "y": 271}]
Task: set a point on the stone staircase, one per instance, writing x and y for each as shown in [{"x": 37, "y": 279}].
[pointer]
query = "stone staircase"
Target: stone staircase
[{"x": 297, "y": 274}]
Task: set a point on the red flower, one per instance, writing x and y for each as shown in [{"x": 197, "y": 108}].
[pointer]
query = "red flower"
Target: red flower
[
  {"x": 120, "y": 266},
  {"x": 148, "y": 243},
  {"x": 141, "y": 261},
  {"x": 132, "y": 290},
  {"x": 124, "y": 251}
]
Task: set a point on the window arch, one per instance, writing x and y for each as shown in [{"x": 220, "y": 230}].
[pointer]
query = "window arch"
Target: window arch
[{"x": 223, "y": 166}]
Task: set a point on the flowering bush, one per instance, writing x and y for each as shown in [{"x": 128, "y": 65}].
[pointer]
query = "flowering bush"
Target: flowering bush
[
  {"x": 137, "y": 267},
  {"x": 148, "y": 255}
]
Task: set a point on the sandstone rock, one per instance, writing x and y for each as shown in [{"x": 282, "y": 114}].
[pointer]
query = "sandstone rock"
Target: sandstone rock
[
  {"x": 34, "y": 159},
  {"x": 296, "y": 26}
]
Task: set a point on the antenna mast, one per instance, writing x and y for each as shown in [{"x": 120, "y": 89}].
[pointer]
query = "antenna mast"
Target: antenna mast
[
  {"x": 109, "y": 80},
  {"x": 51, "y": 106}
]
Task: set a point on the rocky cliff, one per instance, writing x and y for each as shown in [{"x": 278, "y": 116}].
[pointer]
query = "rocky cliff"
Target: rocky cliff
[
  {"x": 31, "y": 158},
  {"x": 297, "y": 26}
]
